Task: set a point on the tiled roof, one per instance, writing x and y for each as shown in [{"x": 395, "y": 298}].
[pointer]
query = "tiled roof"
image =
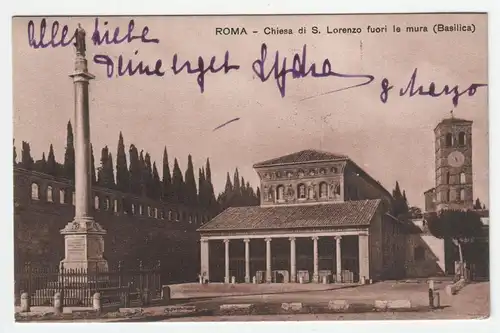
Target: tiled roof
[
  {"x": 308, "y": 155},
  {"x": 345, "y": 214}
]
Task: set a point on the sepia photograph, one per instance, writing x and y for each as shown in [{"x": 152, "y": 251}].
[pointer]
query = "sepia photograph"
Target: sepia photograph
[{"x": 208, "y": 168}]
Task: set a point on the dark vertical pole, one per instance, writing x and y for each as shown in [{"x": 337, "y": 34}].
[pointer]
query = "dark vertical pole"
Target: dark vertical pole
[
  {"x": 61, "y": 282},
  {"x": 30, "y": 276},
  {"x": 141, "y": 286}
]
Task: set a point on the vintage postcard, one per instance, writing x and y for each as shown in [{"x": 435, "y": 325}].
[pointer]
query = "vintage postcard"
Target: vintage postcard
[{"x": 243, "y": 168}]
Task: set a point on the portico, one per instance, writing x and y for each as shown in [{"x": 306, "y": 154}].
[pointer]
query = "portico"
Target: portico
[
  {"x": 334, "y": 269},
  {"x": 337, "y": 249}
]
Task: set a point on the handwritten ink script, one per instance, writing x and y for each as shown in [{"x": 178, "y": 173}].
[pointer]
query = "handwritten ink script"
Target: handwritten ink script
[{"x": 278, "y": 68}]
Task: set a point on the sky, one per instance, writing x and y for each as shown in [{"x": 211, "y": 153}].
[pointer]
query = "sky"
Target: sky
[{"x": 392, "y": 141}]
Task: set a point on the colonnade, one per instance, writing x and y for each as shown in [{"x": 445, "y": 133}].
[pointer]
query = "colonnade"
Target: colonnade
[{"x": 363, "y": 257}]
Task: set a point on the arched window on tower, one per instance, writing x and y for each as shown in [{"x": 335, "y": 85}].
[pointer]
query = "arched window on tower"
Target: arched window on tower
[
  {"x": 35, "y": 191},
  {"x": 323, "y": 190},
  {"x": 462, "y": 195},
  {"x": 449, "y": 140},
  {"x": 448, "y": 178},
  {"x": 462, "y": 139},
  {"x": 447, "y": 196},
  {"x": 462, "y": 178},
  {"x": 49, "y": 193},
  {"x": 279, "y": 193}
]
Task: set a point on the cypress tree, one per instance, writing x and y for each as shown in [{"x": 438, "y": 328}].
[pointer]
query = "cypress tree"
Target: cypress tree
[
  {"x": 258, "y": 196},
  {"x": 51, "y": 162},
  {"x": 142, "y": 177},
  {"x": 167, "y": 178},
  {"x": 122, "y": 173},
  {"x": 15, "y": 153},
  {"x": 148, "y": 176},
  {"x": 202, "y": 199},
  {"x": 177, "y": 183},
  {"x": 191, "y": 193},
  {"x": 156, "y": 183},
  {"x": 92, "y": 166},
  {"x": 26, "y": 159},
  {"x": 69, "y": 155},
  {"x": 41, "y": 165},
  {"x": 110, "y": 173},
  {"x": 211, "y": 200},
  {"x": 135, "y": 171}
]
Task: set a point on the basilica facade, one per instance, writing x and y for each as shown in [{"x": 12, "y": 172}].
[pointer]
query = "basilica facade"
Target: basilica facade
[{"x": 321, "y": 217}]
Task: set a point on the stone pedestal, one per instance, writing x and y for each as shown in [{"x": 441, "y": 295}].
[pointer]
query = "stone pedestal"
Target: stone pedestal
[{"x": 84, "y": 248}]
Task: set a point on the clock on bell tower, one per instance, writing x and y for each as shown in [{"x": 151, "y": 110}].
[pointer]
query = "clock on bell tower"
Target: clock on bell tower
[{"x": 453, "y": 164}]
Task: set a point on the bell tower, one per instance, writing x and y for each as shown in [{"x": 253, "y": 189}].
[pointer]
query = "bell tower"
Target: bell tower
[{"x": 453, "y": 146}]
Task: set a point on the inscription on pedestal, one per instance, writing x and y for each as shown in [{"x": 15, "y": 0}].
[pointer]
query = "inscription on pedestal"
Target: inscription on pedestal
[{"x": 75, "y": 248}]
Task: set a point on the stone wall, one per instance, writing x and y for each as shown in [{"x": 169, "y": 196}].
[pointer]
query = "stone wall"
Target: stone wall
[{"x": 155, "y": 231}]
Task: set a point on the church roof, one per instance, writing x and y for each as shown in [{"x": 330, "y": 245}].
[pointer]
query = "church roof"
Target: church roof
[
  {"x": 308, "y": 155},
  {"x": 344, "y": 214}
]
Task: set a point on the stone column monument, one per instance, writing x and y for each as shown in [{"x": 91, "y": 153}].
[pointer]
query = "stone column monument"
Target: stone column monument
[{"x": 83, "y": 237}]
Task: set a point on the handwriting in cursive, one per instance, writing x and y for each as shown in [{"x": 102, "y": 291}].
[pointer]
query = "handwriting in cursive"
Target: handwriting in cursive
[
  {"x": 128, "y": 37},
  {"x": 202, "y": 70},
  {"x": 54, "y": 41},
  {"x": 298, "y": 70},
  {"x": 411, "y": 91},
  {"x": 129, "y": 68}
]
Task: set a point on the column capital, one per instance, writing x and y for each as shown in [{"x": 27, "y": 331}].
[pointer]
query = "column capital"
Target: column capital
[
  {"x": 246, "y": 240},
  {"x": 268, "y": 239},
  {"x": 314, "y": 238},
  {"x": 292, "y": 239},
  {"x": 338, "y": 237},
  {"x": 226, "y": 241},
  {"x": 364, "y": 233},
  {"x": 204, "y": 240}
]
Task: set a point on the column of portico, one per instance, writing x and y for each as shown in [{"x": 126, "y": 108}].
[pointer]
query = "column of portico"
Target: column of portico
[
  {"x": 293, "y": 261},
  {"x": 247, "y": 260},
  {"x": 315, "y": 258},
  {"x": 338, "y": 254},
  {"x": 268, "y": 260},
  {"x": 205, "y": 259},
  {"x": 226, "y": 268},
  {"x": 364, "y": 257}
]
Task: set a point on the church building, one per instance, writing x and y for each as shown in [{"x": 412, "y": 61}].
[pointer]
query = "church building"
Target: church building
[{"x": 321, "y": 217}]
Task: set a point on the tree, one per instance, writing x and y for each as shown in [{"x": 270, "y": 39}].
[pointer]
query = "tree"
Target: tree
[
  {"x": 167, "y": 178},
  {"x": 460, "y": 227},
  {"x": 191, "y": 194},
  {"x": 15, "y": 153},
  {"x": 258, "y": 196},
  {"x": 202, "y": 197},
  {"x": 135, "y": 171},
  {"x": 415, "y": 212},
  {"x": 92, "y": 166},
  {"x": 41, "y": 165},
  {"x": 51, "y": 168},
  {"x": 105, "y": 175},
  {"x": 400, "y": 203},
  {"x": 209, "y": 191},
  {"x": 477, "y": 204},
  {"x": 26, "y": 159},
  {"x": 177, "y": 183},
  {"x": 147, "y": 175},
  {"x": 156, "y": 190},
  {"x": 122, "y": 173},
  {"x": 69, "y": 155}
]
